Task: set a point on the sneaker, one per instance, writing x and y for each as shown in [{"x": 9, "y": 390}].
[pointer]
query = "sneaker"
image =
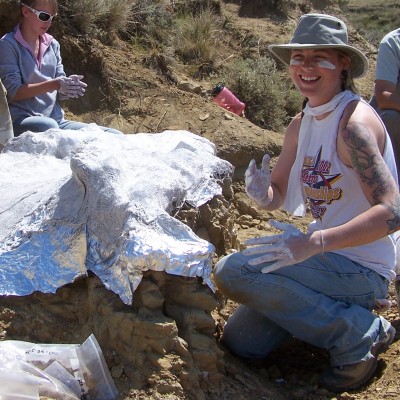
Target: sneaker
[{"x": 352, "y": 376}]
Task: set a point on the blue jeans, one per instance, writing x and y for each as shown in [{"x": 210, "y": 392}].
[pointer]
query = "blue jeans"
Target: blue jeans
[
  {"x": 325, "y": 301},
  {"x": 41, "y": 124}
]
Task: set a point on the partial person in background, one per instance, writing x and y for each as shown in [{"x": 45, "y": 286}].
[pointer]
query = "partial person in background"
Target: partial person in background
[
  {"x": 32, "y": 72},
  {"x": 337, "y": 162},
  {"x": 6, "y": 129},
  {"x": 386, "y": 98}
]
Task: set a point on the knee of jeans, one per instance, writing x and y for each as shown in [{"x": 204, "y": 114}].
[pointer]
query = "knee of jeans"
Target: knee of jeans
[
  {"x": 35, "y": 125},
  {"x": 219, "y": 272},
  {"x": 251, "y": 336},
  {"x": 235, "y": 342},
  {"x": 235, "y": 337},
  {"x": 227, "y": 272}
]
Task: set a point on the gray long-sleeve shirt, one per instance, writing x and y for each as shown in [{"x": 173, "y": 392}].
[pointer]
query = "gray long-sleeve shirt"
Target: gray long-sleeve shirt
[
  {"x": 388, "y": 61},
  {"x": 19, "y": 66}
]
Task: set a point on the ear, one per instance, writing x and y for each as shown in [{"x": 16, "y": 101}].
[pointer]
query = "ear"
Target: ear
[
  {"x": 24, "y": 11},
  {"x": 345, "y": 60}
]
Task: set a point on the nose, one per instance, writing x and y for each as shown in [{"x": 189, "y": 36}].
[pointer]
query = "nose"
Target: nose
[{"x": 308, "y": 64}]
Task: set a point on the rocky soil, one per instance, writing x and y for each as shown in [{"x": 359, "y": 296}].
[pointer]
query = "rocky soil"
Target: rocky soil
[{"x": 166, "y": 345}]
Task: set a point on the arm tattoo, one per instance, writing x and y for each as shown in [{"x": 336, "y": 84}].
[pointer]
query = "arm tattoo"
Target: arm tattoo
[
  {"x": 394, "y": 223},
  {"x": 371, "y": 168}
]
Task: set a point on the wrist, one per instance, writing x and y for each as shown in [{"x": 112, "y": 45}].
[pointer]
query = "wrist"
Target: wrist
[
  {"x": 57, "y": 84},
  {"x": 322, "y": 242},
  {"x": 317, "y": 240}
]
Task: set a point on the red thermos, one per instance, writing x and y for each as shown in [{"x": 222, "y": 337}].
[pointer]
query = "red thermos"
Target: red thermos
[{"x": 226, "y": 99}]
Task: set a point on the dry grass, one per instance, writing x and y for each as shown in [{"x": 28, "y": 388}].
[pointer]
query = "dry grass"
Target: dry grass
[
  {"x": 196, "y": 37},
  {"x": 111, "y": 15},
  {"x": 374, "y": 18}
]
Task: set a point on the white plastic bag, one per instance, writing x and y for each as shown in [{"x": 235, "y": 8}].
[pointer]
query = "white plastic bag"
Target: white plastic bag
[{"x": 64, "y": 371}]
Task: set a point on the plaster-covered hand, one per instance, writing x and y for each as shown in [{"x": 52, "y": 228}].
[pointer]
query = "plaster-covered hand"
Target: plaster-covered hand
[
  {"x": 79, "y": 89},
  {"x": 287, "y": 248},
  {"x": 258, "y": 181},
  {"x": 72, "y": 86}
]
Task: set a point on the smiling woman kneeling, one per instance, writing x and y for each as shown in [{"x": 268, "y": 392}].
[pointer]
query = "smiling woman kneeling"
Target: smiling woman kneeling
[{"x": 337, "y": 158}]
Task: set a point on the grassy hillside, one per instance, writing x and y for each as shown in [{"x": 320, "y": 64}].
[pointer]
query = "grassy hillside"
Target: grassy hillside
[
  {"x": 374, "y": 18},
  {"x": 201, "y": 40}
]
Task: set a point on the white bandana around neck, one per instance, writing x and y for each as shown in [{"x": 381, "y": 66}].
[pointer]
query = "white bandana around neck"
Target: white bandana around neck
[{"x": 323, "y": 108}]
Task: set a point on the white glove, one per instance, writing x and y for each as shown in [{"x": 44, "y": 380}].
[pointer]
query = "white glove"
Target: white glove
[
  {"x": 258, "y": 181},
  {"x": 72, "y": 86},
  {"x": 287, "y": 248},
  {"x": 80, "y": 90}
]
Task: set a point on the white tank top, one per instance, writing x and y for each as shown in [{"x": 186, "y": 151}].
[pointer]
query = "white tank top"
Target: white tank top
[{"x": 332, "y": 189}]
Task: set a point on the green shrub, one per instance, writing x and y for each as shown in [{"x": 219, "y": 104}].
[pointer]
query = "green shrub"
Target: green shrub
[
  {"x": 373, "y": 19},
  {"x": 269, "y": 96},
  {"x": 283, "y": 6},
  {"x": 153, "y": 23}
]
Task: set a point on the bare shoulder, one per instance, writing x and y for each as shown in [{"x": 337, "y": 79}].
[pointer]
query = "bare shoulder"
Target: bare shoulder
[
  {"x": 296, "y": 120},
  {"x": 293, "y": 128},
  {"x": 359, "y": 112},
  {"x": 360, "y": 120}
]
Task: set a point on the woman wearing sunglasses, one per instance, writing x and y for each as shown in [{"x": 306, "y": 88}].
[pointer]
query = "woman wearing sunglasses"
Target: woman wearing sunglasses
[{"x": 32, "y": 72}]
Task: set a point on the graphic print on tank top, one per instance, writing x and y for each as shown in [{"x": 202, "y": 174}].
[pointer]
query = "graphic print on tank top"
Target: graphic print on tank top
[{"x": 319, "y": 183}]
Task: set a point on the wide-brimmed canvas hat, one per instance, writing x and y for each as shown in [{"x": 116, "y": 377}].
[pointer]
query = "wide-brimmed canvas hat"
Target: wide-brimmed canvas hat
[{"x": 322, "y": 31}]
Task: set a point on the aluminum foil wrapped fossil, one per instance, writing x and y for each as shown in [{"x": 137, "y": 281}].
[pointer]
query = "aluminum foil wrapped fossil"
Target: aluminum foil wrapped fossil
[{"x": 79, "y": 201}]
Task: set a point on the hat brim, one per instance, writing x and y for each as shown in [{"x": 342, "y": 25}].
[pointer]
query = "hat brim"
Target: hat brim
[{"x": 359, "y": 63}]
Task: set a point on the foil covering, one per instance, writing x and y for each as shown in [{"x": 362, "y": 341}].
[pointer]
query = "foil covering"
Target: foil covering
[{"x": 73, "y": 201}]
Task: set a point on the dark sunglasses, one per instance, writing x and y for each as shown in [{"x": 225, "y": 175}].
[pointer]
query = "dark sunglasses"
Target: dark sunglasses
[{"x": 41, "y": 15}]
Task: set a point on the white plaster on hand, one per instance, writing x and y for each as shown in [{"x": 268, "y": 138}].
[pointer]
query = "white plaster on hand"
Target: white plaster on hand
[
  {"x": 258, "y": 181},
  {"x": 277, "y": 247}
]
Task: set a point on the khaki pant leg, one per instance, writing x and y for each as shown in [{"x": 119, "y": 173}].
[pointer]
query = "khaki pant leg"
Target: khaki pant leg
[{"x": 6, "y": 128}]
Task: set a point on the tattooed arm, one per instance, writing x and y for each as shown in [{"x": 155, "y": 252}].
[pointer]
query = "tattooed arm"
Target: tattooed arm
[{"x": 360, "y": 145}]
